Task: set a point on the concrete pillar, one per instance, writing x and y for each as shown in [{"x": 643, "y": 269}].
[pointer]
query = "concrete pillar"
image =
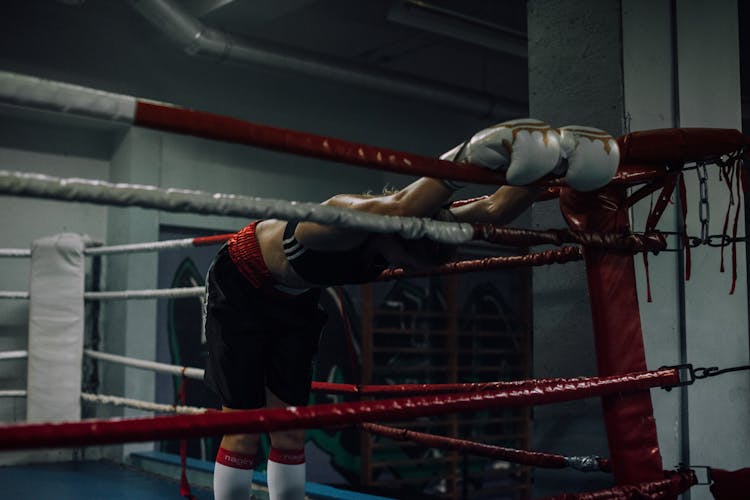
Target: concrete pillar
[
  {"x": 575, "y": 77},
  {"x": 130, "y": 326}
]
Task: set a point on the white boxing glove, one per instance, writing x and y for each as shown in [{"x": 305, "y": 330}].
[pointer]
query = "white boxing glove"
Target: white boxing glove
[
  {"x": 592, "y": 157},
  {"x": 525, "y": 150},
  {"x": 452, "y": 155}
]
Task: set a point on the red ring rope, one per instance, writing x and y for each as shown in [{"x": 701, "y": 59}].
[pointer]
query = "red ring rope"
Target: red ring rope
[
  {"x": 97, "y": 432},
  {"x": 534, "y": 458},
  {"x": 673, "y": 485},
  {"x": 556, "y": 256},
  {"x": 415, "y": 389},
  {"x": 650, "y": 241},
  {"x": 643, "y": 153},
  {"x": 201, "y": 241},
  {"x": 202, "y": 124}
]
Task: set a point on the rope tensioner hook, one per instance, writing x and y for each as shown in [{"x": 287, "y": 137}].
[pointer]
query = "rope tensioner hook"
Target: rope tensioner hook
[{"x": 688, "y": 374}]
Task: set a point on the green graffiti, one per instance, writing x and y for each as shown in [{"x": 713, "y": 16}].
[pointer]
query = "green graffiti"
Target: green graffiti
[{"x": 333, "y": 444}]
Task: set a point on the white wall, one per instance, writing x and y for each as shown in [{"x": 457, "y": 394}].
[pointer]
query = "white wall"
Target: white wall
[
  {"x": 649, "y": 94},
  {"x": 706, "y": 423},
  {"x": 717, "y": 325}
]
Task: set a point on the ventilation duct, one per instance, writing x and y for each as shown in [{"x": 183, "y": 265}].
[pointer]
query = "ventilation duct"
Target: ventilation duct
[{"x": 198, "y": 39}]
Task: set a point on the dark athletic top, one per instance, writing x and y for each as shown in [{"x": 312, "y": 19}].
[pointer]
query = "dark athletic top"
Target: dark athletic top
[{"x": 330, "y": 268}]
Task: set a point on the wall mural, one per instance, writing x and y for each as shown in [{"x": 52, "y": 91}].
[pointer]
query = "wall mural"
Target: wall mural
[{"x": 187, "y": 347}]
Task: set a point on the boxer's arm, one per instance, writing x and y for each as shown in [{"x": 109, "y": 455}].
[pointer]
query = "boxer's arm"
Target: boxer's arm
[{"x": 500, "y": 208}]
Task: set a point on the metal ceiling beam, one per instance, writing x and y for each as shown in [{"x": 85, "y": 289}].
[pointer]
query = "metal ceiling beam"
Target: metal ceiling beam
[{"x": 459, "y": 26}]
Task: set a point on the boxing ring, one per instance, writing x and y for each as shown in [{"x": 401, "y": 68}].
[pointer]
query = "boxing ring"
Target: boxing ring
[{"x": 599, "y": 233}]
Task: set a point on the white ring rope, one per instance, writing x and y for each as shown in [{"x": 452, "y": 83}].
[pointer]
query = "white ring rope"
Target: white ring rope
[
  {"x": 15, "y": 252},
  {"x": 140, "y": 247},
  {"x": 183, "y": 200},
  {"x": 66, "y": 98},
  {"x": 12, "y": 393},
  {"x": 139, "y": 404},
  {"x": 194, "y": 373},
  {"x": 10, "y": 355},
  {"x": 171, "y": 293},
  {"x": 159, "y": 293},
  {"x": 115, "y": 249}
]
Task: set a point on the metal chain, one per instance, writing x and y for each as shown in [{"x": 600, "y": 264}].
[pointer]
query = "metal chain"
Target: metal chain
[
  {"x": 704, "y": 214},
  {"x": 714, "y": 240},
  {"x": 704, "y": 209},
  {"x": 724, "y": 240}
]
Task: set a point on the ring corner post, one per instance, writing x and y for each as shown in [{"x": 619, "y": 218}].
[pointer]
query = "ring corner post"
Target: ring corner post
[
  {"x": 56, "y": 326},
  {"x": 618, "y": 340}
]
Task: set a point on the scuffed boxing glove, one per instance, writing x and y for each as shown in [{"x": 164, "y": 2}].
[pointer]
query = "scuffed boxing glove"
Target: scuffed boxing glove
[
  {"x": 452, "y": 155},
  {"x": 525, "y": 150},
  {"x": 589, "y": 157}
]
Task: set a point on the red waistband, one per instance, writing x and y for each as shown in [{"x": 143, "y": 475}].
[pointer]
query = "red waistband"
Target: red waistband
[
  {"x": 235, "y": 459},
  {"x": 244, "y": 251},
  {"x": 289, "y": 457}
]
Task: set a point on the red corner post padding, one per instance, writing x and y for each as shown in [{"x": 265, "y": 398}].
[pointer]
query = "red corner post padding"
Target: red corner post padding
[
  {"x": 668, "y": 487},
  {"x": 631, "y": 429},
  {"x": 730, "y": 485},
  {"x": 679, "y": 145}
]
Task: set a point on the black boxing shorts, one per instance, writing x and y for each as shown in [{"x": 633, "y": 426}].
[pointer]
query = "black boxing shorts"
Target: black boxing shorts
[{"x": 258, "y": 336}]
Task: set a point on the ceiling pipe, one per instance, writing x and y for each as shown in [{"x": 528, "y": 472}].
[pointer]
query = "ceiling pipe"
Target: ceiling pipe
[{"x": 198, "y": 39}]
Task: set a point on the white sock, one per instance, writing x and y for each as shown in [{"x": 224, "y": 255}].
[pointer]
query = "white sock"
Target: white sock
[
  {"x": 233, "y": 475},
  {"x": 286, "y": 474}
]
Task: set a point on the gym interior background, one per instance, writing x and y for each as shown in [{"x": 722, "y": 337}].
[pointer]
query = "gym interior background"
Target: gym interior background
[{"x": 407, "y": 75}]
